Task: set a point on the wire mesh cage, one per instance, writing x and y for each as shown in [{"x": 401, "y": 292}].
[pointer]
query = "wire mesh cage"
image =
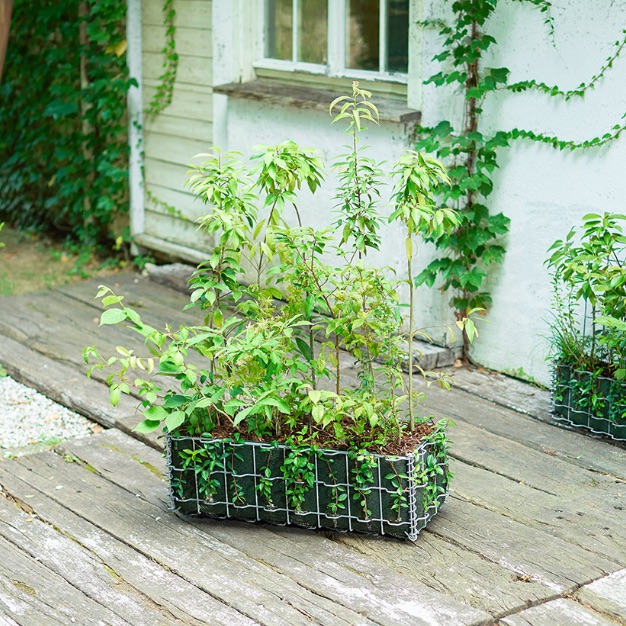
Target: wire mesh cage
[
  {"x": 589, "y": 325},
  {"x": 313, "y": 488},
  {"x": 589, "y": 397},
  {"x": 589, "y": 400}
]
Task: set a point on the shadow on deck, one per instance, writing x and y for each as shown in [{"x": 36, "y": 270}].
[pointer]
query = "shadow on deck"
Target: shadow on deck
[{"x": 536, "y": 513}]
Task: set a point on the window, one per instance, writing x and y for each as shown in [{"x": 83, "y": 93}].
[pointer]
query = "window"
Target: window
[{"x": 352, "y": 38}]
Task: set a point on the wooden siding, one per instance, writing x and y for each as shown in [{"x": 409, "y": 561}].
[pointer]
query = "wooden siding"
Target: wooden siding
[
  {"x": 184, "y": 128},
  {"x": 178, "y": 231}
]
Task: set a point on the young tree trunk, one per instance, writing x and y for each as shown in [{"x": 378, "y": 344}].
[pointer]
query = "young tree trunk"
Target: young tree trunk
[{"x": 5, "y": 23}]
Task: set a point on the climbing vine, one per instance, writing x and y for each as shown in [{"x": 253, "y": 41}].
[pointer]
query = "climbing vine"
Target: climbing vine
[
  {"x": 165, "y": 90},
  {"x": 63, "y": 147},
  {"x": 472, "y": 155}
]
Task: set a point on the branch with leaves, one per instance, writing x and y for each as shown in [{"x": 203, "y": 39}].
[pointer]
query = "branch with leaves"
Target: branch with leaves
[{"x": 472, "y": 154}]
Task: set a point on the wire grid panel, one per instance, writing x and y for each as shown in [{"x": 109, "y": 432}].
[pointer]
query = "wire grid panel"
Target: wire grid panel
[
  {"x": 248, "y": 481},
  {"x": 590, "y": 401}
]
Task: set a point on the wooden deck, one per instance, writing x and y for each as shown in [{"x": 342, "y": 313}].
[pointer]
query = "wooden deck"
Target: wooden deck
[{"x": 534, "y": 532}]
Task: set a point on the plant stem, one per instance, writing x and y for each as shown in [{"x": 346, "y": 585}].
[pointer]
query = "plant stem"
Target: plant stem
[
  {"x": 411, "y": 306},
  {"x": 471, "y": 126}
]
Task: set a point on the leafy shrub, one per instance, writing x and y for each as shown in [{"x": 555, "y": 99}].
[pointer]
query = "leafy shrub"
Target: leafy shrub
[
  {"x": 589, "y": 280},
  {"x": 63, "y": 142},
  {"x": 267, "y": 362}
]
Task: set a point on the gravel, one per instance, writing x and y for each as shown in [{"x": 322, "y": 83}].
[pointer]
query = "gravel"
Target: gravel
[{"x": 28, "y": 418}]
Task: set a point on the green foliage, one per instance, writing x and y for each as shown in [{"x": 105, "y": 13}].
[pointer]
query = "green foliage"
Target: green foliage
[
  {"x": 205, "y": 463},
  {"x": 270, "y": 370},
  {"x": 472, "y": 154},
  {"x": 165, "y": 90},
  {"x": 589, "y": 281},
  {"x": 63, "y": 148},
  {"x": 432, "y": 472}
]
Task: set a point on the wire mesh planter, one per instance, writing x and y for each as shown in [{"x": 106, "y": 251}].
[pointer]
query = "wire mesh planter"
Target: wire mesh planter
[
  {"x": 312, "y": 488},
  {"x": 589, "y": 400}
]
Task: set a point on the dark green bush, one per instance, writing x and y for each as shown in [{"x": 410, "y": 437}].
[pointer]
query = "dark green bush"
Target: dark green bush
[{"x": 63, "y": 141}]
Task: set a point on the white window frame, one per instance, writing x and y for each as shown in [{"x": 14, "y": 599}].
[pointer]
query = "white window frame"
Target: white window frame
[{"x": 337, "y": 15}]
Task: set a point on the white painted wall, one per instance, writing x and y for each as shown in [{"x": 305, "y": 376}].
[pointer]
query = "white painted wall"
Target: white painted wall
[{"x": 544, "y": 191}]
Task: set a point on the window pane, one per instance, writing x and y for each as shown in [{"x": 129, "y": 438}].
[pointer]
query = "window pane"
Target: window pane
[
  {"x": 362, "y": 37},
  {"x": 312, "y": 30},
  {"x": 279, "y": 24},
  {"x": 398, "y": 36}
]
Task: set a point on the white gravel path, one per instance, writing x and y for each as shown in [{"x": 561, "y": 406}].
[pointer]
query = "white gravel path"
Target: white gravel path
[{"x": 28, "y": 417}]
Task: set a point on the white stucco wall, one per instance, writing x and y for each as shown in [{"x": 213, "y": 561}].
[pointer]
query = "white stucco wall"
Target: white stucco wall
[{"x": 543, "y": 191}]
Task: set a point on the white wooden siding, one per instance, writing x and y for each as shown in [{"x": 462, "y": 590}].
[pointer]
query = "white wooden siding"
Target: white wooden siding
[{"x": 184, "y": 128}]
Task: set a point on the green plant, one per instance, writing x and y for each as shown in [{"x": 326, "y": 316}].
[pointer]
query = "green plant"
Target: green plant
[
  {"x": 432, "y": 471},
  {"x": 63, "y": 146},
  {"x": 471, "y": 151},
  {"x": 165, "y": 90},
  {"x": 588, "y": 326},
  {"x": 589, "y": 282},
  {"x": 204, "y": 462},
  {"x": 278, "y": 313}
]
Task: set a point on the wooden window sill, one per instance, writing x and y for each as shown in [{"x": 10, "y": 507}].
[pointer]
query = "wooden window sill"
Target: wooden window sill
[{"x": 284, "y": 94}]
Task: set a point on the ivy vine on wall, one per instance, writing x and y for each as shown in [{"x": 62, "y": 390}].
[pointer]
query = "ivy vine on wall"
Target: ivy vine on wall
[
  {"x": 63, "y": 138},
  {"x": 165, "y": 90},
  {"x": 472, "y": 155}
]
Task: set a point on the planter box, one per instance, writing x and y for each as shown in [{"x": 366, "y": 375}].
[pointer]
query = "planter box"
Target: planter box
[
  {"x": 381, "y": 495},
  {"x": 594, "y": 402}
]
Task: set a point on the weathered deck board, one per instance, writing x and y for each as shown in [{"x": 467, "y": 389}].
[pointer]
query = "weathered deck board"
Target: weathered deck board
[
  {"x": 508, "y": 392},
  {"x": 79, "y": 567},
  {"x": 607, "y": 595},
  {"x": 40, "y": 590},
  {"x": 557, "y": 612},
  {"x": 536, "y": 511},
  {"x": 588, "y": 525},
  {"x": 318, "y": 566},
  {"x": 588, "y": 452},
  {"x": 165, "y": 589},
  {"x": 260, "y": 589}
]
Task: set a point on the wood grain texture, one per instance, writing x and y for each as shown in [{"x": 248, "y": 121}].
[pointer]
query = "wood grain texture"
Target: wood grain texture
[
  {"x": 606, "y": 595},
  {"x": 318, "y": 564},
  {"x": 558, "y": 612},
  {"x": 189, "y": 13}
]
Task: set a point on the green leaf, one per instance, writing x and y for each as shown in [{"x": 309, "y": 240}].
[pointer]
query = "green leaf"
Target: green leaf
[
  {"x": 147, "y": 426},
  {"x": 304, "y": 348},
  {"x": 109, "y": 300},
  {"x": 241, "y": 415},
  {"x": 173, "y": 402},
  {"x": 318, "y": 413},
  {"x": 315, "y": 395},
  {"x": 155, "y": 412},
  {"x": 112, "y": 316},
  {"x": 115, "y": 395},
  {"x": 174, "y": 420}
]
